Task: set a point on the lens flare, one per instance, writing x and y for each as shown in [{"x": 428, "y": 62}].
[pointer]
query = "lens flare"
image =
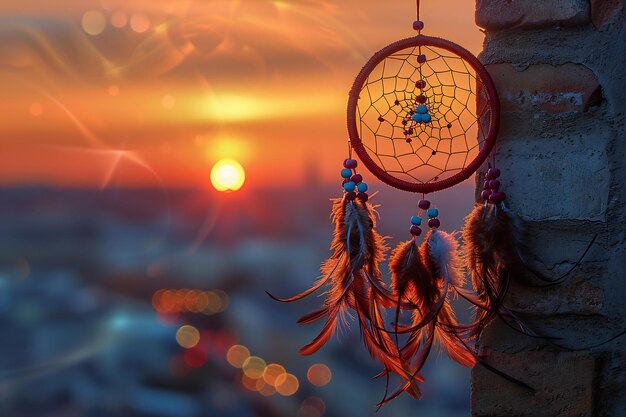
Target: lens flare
[{"x": 227, "y": 175}]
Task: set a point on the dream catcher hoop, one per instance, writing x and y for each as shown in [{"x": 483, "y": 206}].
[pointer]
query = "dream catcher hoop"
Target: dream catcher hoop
[{"x": 412, "y": 112}]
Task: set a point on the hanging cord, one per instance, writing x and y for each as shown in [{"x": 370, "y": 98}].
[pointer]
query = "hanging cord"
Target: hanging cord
[{"x": 418, "y": 25}]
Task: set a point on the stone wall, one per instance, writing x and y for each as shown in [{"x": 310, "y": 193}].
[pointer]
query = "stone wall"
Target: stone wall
[{"x": 560, "y": 69}]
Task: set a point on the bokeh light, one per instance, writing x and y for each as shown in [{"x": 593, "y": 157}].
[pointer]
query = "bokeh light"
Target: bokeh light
[
  {"x": 319, "y": 375},
  {"x": 237, "y": 355},
  {"x": 272, "y": 372},
  {"x": 187, "y": 336},
  {"x": 139, "y": 22},
  {"x": 249, "y": 383},
  {"x": 254, "y": 367},
  {"x": 119, "y": 19},
  {"x": 316, "y": 403},
  {"x": 93, "y": 22},
  {"x": 287, "y": 384},
  {"x": 227, "y": 175},
  {"x": 214, "y": 303},
  {"x": 190, "y": 301}
]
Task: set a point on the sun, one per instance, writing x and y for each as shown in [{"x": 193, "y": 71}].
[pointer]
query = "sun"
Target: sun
[{"x": 227, "y": 175}]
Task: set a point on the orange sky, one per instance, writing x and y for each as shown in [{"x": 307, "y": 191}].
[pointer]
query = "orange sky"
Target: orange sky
[{"x": 154, "y": 92}]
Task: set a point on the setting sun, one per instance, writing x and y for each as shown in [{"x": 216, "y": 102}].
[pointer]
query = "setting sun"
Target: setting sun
[{"x": 227, "y": 175}]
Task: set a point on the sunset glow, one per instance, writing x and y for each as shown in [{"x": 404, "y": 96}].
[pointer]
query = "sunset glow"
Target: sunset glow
[
  {"x": 227, "y": 175},
  {"x": 149, "y": 78}
]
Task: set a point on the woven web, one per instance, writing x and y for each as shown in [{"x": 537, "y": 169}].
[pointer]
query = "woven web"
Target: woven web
[{"x": 423, "y": 152}]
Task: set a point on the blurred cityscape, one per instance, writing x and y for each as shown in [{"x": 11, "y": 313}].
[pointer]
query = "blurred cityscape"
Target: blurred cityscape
[{"x": 150, "y": 302}]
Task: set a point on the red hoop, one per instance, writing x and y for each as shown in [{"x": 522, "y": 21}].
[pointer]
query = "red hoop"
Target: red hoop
[{"x": 492, "y": 102}]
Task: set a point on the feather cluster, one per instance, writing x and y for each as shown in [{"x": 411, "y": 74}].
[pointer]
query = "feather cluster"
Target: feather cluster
[
  {"x": 422, "y": 277},
  {"x": 493, "y": 242},
  {"x": 355, "y": 283},
  {"x": 425, "y": 278}
]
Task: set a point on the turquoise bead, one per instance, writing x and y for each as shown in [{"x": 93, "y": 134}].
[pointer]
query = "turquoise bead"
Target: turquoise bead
[
  {"x": 416, "y": 220},
  {"x": 417, "y": 117},
  {"x": 362, "y": 187},
  {"x": 433, "y": 212},
  {"x": 426, "y": 118},
  {"x": 349, "y": 186},
  {"x": 346, "y": 173},
  {"x": 421, "y": 109}
]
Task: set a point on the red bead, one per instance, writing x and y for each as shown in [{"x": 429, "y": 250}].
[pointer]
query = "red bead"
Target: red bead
[
  {"x": 362, "y": 196},
  {"x": 350, "y": 163},
  {"x": 494, "y": 185},
  {"x": 485, "y": 194},
  {"x": 418, "y": 25},
  {"x": 420, "y": 84},
  {"x": 423, "y": 204},
  {"x": 415, "y": 230},
  {"x": 434, "y": 223},
  {"x": 421, "y": 99},
  {"x": 357, "y": 178},
  {"x": 487, "y": 185},
  {"x": 493, "y": 173},
  {"x": 421, "y": 58},
  {"x": 499, "y": 197},
  {"x": 351, "y": 196}
]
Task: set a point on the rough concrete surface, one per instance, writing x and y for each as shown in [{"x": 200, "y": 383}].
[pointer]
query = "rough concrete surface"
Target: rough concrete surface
[
  {"x": 559, "y": 66},
  {"x": 562, "y": 383}
]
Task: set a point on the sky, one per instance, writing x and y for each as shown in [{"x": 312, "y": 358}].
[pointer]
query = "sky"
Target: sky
[{"x": 153, "y": 93}]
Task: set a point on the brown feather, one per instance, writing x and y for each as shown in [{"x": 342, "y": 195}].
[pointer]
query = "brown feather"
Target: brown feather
[
  {"x": 421, "y": 275},
  {"x": 492, "y": 241}
]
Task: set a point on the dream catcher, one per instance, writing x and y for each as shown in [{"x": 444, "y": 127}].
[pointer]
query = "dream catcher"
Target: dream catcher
[{"x": 423, "y": 115}]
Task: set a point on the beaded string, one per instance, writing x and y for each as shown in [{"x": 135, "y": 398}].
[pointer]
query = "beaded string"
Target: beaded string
[
  {"x": 416, "y": 220},
  {"x": 353, "y": 184},
  {"x": 491, "y": 188}
]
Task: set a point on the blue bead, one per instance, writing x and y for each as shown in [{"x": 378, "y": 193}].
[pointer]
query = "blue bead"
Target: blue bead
[
  {"x": 349, "y": 186},
  {"x": 421, "y": 109},
  {"x": 416, "y": 220},
  {"x": 426, "y": 118},
  {"x": 433, "y": 212},
  {"x": 346, "y": 173},
  {"x": 362, "y": 187},
  {"x": 417, "y": 118}
]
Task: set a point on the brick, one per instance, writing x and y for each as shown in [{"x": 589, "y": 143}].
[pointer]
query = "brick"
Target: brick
[
  {"x": 550, "y": 88},
  {"x": 535, "y": 174},
  {"x": 529, "y": 14},
  {"x": 604, "y": 12},
  {"x": 563, "y": 384}
]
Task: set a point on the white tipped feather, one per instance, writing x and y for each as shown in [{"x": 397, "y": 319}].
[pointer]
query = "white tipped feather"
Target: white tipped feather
[{"x": 444, "y": 249}]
